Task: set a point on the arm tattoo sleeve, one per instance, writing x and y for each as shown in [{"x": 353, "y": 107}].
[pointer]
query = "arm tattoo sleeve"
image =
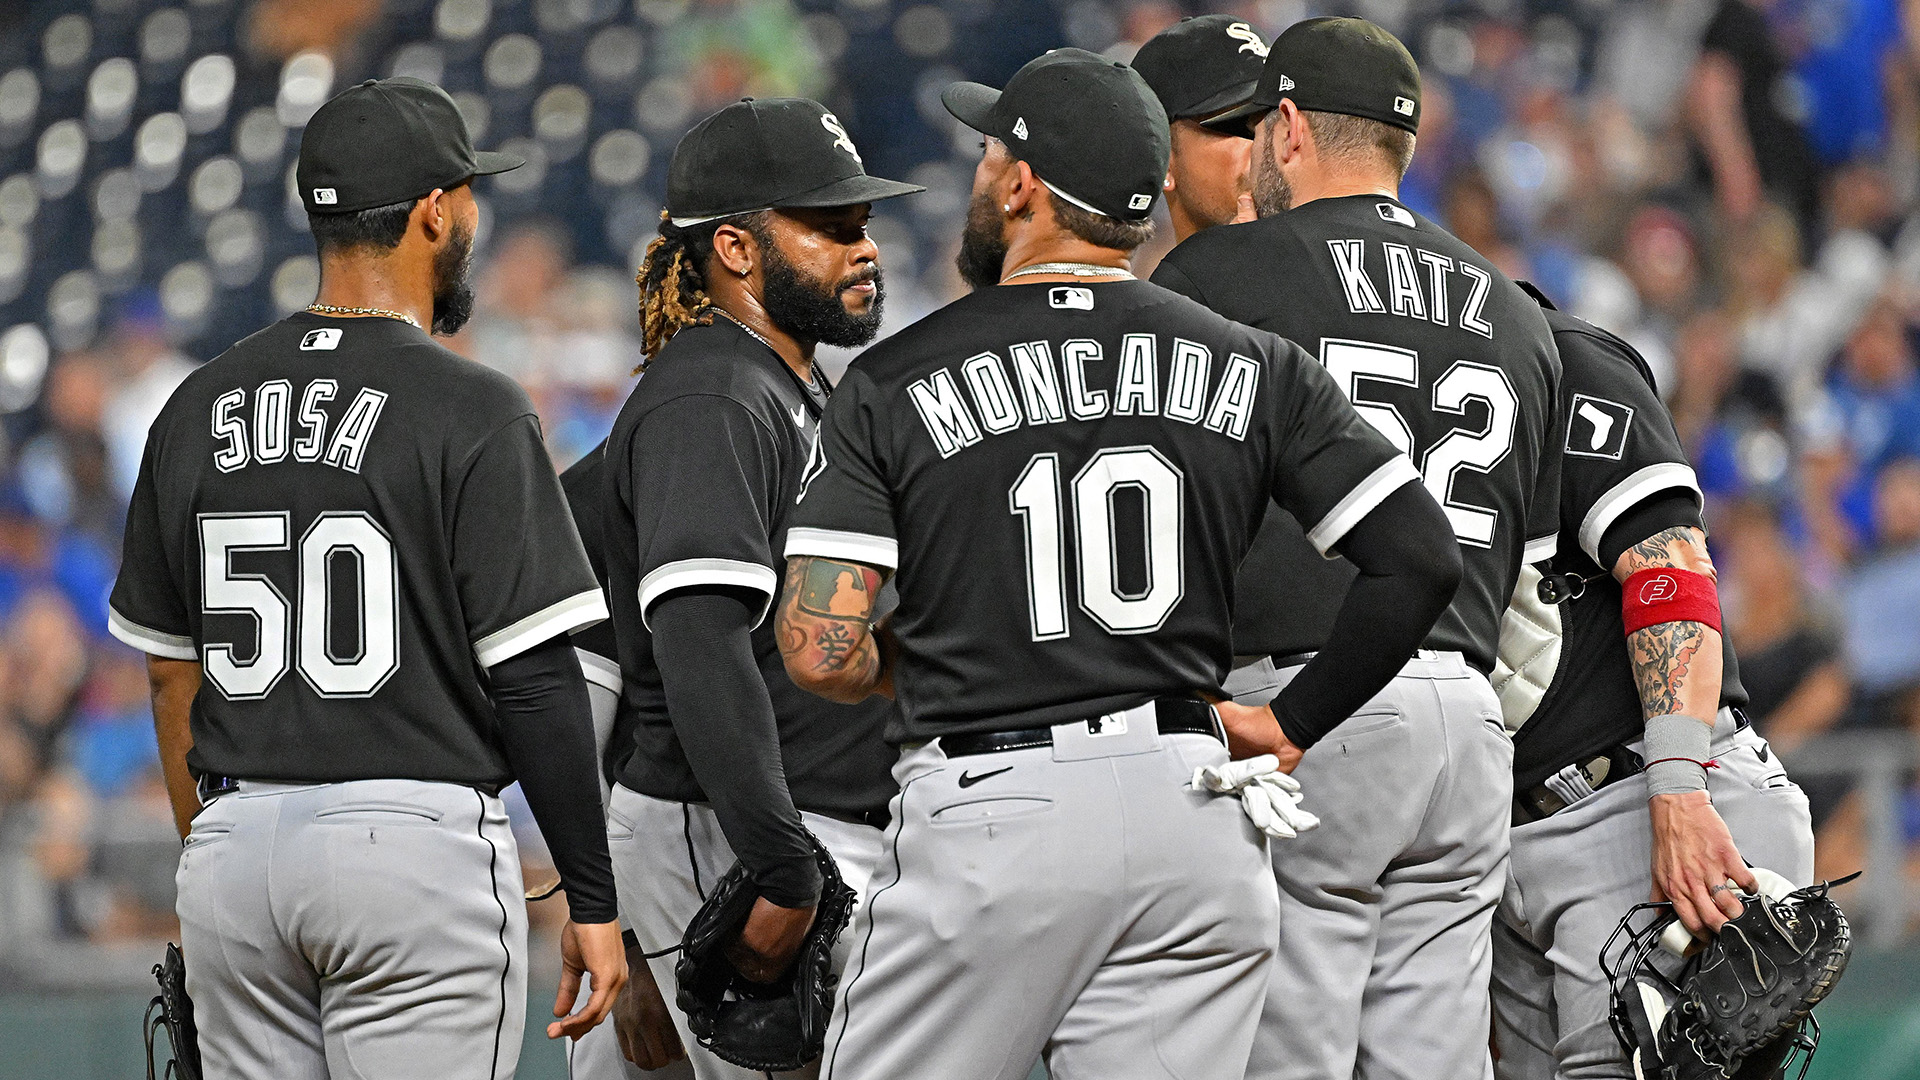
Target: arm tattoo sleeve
[
  {"x": 1672, "y": 661},
  {"x": 825, "y": 629}
]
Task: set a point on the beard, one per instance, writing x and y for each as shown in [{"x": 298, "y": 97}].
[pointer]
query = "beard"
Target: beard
[
  {"x": 811, "y": 309},
  {"x": 983, "y": 246},
  {"x": 452, "y": 287},
  {"x": 1271, "y": 192}
]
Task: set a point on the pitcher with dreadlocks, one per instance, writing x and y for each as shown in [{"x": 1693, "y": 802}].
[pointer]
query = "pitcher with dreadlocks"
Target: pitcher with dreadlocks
[{"x": 763, "y": 254}]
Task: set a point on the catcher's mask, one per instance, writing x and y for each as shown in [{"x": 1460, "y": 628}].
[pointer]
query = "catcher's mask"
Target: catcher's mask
[{"x": 1738, "y": 1006}]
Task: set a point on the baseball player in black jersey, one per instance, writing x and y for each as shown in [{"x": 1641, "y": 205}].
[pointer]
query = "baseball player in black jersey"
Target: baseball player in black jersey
[
  {"x": 1387, "y": 908},
  {"x": 1613, "y": 803},
  {"x": 639, "y": 1040},
  {"x": 1202, "y": 68},
  {"x": 763, "y": 253},
  {"x": 1063, "y": 471},
  {"x": 351, "y": 563}
]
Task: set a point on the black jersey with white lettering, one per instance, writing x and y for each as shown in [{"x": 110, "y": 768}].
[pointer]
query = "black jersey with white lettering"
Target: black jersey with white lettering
[
  {"x": 584, "y": 482},
  {"x": 702, "y": 469},
  {"x": 1437, "y": 349},
  {"x": 347, "y": 524},
  {"x": 1066, "y": 477},
  {"x": 1621, "y": 451}
]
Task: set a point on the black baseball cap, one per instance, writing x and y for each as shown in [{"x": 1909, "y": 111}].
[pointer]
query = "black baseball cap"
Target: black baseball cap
[
  {"x": 388, "y": 141},
  {"x": 761, "y": 153},
  {"x": 1202, "y": 67},
  {"x": 1090, "y": 128},
  {"x": 1337, "y": 65}
]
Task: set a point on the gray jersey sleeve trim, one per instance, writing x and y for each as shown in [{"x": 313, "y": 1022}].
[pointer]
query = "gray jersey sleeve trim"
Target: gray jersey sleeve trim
[
  {"x": 583, "y": 609},
  {"x": 1360, "y": 502},
  {"x": 599, "y": 670},
  {"x": 1627, "y": 494},
  {"x": 864, "y": 548},
  {"x": 149, "y": 640},
  {"x": 1540, "y": 549},
  {"x": 688, "y": 573}
]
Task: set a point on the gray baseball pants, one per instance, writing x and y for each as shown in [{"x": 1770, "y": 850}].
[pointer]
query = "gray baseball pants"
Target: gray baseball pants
[
  {"x": 1077, "y": 902},
  {"x": 1386, "y": 909},
  {"x": 369, "y": 930},
  {"x": 667, "y": 855},
  {"x": 1576, "y": 873}
]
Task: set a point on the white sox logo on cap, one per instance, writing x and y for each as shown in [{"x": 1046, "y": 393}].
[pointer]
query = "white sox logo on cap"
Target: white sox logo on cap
[
  {"x": 839, "y": 133},
  {"x": 1250, "y": 41}
]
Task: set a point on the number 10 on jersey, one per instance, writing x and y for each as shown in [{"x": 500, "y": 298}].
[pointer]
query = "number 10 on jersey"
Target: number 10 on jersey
[{"x": 1037, "y": 499}]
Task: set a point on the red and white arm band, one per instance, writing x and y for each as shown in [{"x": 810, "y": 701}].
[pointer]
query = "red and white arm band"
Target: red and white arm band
[{"x": 1665, "y": 594}]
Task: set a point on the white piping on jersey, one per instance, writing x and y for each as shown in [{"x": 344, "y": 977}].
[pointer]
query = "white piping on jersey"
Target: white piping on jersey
[
  {"x": 149, "y": 640},
  {"x": 599, "y": 670},
  {"x": 1541, "y": 548},
  {"x": 1360, "y": 502},
  {"x": 864, "y": 548},
  {"x": 581, "y": 609},
  {"x": 1627, "y": 494},
  {"x": 688, "y": 573}
]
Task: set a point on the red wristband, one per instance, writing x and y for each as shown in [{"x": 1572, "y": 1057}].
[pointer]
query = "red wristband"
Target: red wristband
[{"x": 1665, "y": 594}]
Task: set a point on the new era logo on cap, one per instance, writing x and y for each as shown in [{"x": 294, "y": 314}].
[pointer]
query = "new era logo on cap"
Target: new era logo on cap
[
  {"x": 325, "y": 196},
  {"x": 1020, "y": 128},
  {"x": 326, "y": 338},
  {"x": 1285, "y": 84},
  {"x": 1403, "y": 106}
]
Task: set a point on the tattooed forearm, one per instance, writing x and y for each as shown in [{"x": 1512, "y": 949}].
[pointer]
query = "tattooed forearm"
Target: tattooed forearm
[
  {"x": 1663, "y": 657},
  {"x": 1683, "y": 547},
  {"x": 824, "y": 628}
]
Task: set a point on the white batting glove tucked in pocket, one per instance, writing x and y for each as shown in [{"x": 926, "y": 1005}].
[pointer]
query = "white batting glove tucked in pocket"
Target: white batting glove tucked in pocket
[{"x": 1270, "y": 797}]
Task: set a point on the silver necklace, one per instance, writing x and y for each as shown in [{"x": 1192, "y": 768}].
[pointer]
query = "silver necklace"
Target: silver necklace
[
  {"x": 819, "y": 385},
  {"x": 1071, "y": 269},
  {"x": 329, "y": 309}
]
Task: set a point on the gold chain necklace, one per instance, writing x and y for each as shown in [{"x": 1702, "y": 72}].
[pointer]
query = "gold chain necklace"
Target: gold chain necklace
[{"x": 329, "y": 309}]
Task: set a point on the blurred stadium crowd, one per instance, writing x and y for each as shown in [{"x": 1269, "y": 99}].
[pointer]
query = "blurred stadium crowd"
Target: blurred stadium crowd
[{"x": 1734, "y": 185}]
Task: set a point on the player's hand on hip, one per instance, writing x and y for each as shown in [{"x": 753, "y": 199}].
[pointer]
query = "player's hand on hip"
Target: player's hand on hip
[
  {"x": 770, "y": 939},
  {"x": 595, "y": 948},
  {"x": 1252, "y": 731},
  {"x": 641, "y": 1021},
  {"x": 1694, "y": 860}
]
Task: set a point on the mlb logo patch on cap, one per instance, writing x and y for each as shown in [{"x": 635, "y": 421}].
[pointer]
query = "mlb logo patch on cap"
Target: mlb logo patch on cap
[
  {"x": 1403, "y": 106},
  {"x": 1140, "y": 202},
  {"x": 325, "y": 338},
  {"x": 325, "y": 196}
]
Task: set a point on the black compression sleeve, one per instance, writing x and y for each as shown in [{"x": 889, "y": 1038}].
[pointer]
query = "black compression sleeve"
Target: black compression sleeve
[
  {"x": 1673, "y": 508},
  {"x": 546, "y": 729},
  {"x": 1409, "y": 567},
  {"x": 723, "y": 715}
]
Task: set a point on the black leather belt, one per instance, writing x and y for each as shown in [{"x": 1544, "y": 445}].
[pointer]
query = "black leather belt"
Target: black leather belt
[
  {"x": 212, "y": 785},
  {"x": 1173, "y": 716},
  {"x": 1285, "y": 660},
  {"x": 1609, "y": 767}
]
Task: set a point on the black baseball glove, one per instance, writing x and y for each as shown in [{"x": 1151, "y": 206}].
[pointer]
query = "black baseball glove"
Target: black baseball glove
[
  {"x": 173, "y": 1010},
  {"x": 767, "y": 1027},
  {"x": 1740, "y": 1008}
]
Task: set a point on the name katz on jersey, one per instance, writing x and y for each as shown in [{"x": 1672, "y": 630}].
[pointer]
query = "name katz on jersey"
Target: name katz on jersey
[
  {"x": 1041, "y": 390},
  {"x": 266, "y": 437},
  {"x": 1406, "y": 293}
]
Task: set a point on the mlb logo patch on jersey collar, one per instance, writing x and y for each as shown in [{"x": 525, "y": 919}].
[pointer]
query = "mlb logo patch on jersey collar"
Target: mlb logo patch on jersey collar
[
  {"x": 1598, "y": 428},
  {"x": 325, "y": 338},
  {"x": 1399, "y": 215}
]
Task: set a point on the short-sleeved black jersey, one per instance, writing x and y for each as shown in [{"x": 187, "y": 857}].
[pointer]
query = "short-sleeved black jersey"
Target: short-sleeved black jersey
[
  {"x": 346, "y": 524},
  {"x": 702, "y": 469},
  {"x": 1066, "y": 477},
  {"x": 1437, "y": 349},
  {"x": 1620, "y": 450},
  {"x": 584, "y": 482}
]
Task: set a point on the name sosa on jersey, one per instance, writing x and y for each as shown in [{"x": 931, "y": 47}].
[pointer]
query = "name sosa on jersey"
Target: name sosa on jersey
[
  {"x": 1049, "y": 392},
  {"x": 272, "y": 420}
]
